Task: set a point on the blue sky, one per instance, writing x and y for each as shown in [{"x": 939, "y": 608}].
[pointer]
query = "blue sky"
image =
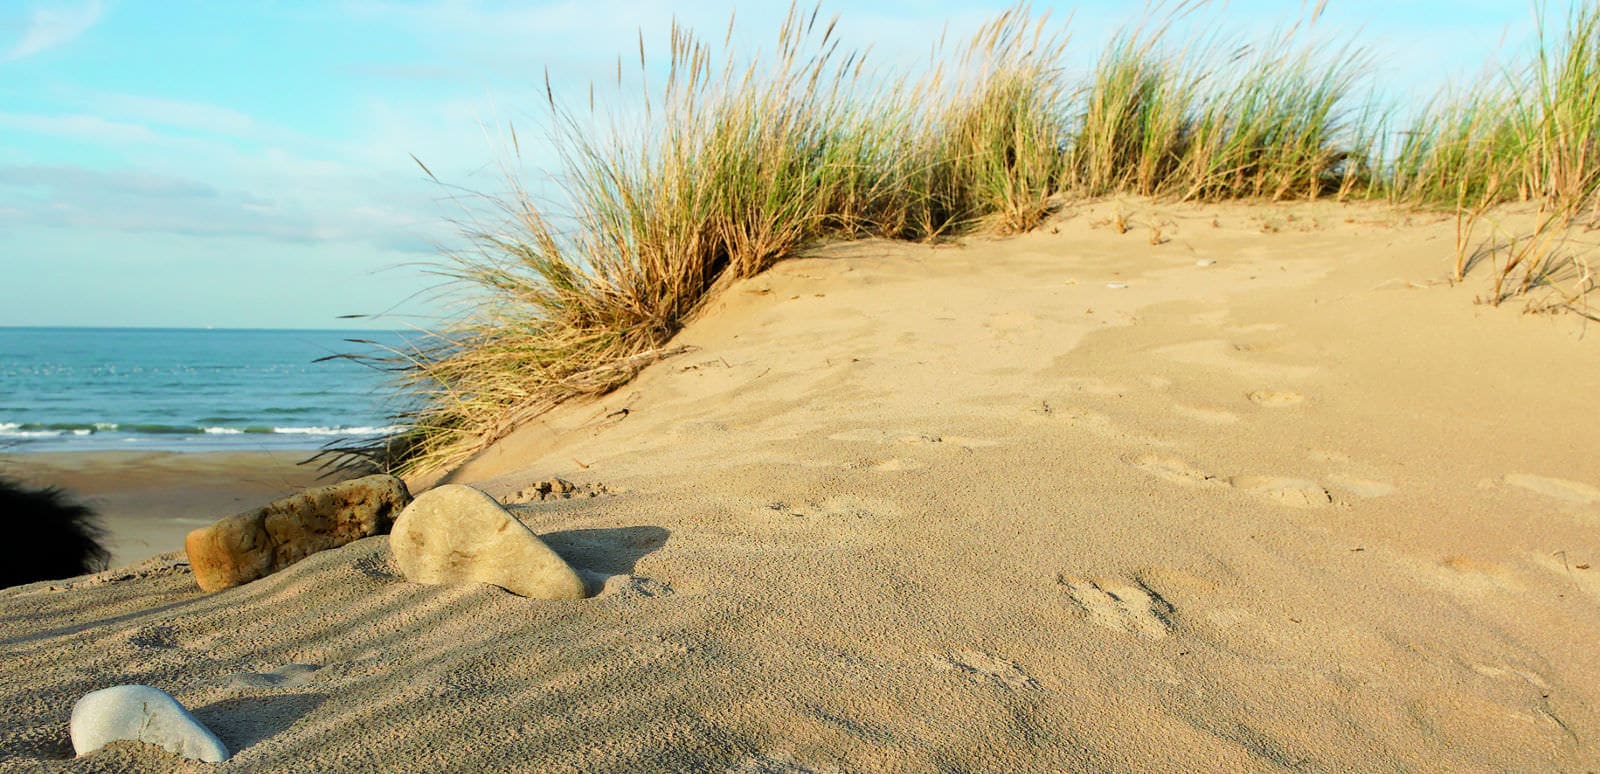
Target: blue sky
[{"x": 248, "y": 164}]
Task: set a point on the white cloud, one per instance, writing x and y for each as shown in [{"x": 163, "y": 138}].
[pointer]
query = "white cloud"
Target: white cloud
[
  {"x": 137, "y": 201},
  {"x": 180, "y": 114},
  {"x": 80, "y": 126},
  {"x": 51, "y": 26}
]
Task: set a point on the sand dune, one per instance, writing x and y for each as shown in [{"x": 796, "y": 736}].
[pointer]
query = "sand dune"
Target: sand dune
[{"x": 1067, "y": 501}]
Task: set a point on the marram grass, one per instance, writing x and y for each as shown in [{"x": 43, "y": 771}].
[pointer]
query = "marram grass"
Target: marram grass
[
  {"x": 737, "y": 164},
  {"x": 1218, "y": 119},
  {"x": 1529, "y": 131}
]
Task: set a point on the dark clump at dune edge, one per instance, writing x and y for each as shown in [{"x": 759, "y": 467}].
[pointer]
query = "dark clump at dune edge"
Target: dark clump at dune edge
[{"x": 51, "y": 536}]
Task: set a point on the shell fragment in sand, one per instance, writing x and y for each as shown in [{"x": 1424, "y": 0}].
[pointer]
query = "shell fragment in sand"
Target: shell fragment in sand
[
  {"x": 143, "y": 714},
  {"x": 457, "y": 534},
  {"x": 1117, "y": 285}
]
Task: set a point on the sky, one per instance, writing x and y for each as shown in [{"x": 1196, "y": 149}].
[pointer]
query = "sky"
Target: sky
[{"x": 193, "y": 163}]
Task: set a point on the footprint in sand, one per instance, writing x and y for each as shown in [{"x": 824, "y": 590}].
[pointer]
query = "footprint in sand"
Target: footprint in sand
[
  {"x": 1090, "y": 385},
  {"x": 1509, "y": 672},
  {"x": 1293, "y": 492},
  {"x": 844, "y": 508},
  {"x": 872, "y": 435},
  {"x": 1559, "y": 488},
  {"x": 1176, "y": 470},
  {"x": 1256, "y": 328},
  {"x": 1577, "y": 570},
  {"x": 968, "y": 442},
  {"x": 985, "y": 666},
  {"x": 701, "y": 430},
  {"x": 286, "y": 676},
  {"x": 1106, "y": 427},
  {"x": 1360, "y": 487},
  {"x": 637, "y": 586},
  {"x": 1276, "y": 398},
  {"x": 1465, "y": 573},
  {"x": 1224, "y": 356},
  {"x": 1129, "y": 606},
  {"x": 1206, "y": 415},
  {"x": 158, "y": 637},
  {"x": 1007, "y": 322}
]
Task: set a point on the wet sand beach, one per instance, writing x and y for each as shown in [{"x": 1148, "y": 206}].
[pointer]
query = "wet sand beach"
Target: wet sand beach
[{"x": 148, "y": 500}]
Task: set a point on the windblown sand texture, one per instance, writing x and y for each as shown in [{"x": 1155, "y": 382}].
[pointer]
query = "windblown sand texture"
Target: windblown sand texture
[{"x": 1067, "y": 501}]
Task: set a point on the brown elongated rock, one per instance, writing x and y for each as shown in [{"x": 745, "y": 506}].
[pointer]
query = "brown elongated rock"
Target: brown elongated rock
[
  {"x": 457, "y": 534},
  {"x": 255, "y": 544}
]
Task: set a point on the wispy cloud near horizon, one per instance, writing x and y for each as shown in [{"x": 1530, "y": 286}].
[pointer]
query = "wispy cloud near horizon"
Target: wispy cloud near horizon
[
  {"x": 134, "y": 201},
  {"x": 50, "y": 26}
]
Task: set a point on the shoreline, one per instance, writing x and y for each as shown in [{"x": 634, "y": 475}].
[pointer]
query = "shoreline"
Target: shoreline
[
  {"x": 148, "y": 500},
  {"x": 17, "y": 439}
]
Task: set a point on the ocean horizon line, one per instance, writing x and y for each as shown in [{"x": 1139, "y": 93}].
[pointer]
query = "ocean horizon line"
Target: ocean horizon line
[{"x": 86, "y": 386}]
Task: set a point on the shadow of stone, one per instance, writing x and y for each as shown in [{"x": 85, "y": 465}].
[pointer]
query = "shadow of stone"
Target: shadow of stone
[
  {"x": 45, "y": 743},
  {"x": 243, "y": 722},
  {"x": 599, "y": 554}
]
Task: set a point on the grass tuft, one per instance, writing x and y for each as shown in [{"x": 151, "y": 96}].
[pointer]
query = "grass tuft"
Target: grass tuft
[{"x": 734, "y": 165}]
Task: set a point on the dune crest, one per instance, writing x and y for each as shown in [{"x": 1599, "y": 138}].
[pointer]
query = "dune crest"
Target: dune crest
[{"x": 917, "y": 508}]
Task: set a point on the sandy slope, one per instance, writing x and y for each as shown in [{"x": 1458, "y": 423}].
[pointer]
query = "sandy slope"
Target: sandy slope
[{"x": 968, "y": 508}]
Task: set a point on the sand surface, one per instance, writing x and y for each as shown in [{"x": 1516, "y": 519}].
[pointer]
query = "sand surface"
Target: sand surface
[
  {"x": 1068, "y": 501},
  {"x": 149, "y": 500}
]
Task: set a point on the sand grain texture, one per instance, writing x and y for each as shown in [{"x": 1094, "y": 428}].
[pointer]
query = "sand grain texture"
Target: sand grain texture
[{"x": 964, "y": 508}]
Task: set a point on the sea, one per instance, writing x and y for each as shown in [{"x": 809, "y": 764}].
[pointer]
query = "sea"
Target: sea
[{"x": 169, "y": 389}]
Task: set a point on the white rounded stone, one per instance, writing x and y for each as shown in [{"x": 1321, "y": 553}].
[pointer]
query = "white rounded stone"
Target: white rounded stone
[{"x": 143, "y": 714}]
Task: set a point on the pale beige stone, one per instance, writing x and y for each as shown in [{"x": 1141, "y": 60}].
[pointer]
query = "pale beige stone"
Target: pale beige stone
[
  {"x": 457, "y": 534},
  {"x": 255, "y": 544}
]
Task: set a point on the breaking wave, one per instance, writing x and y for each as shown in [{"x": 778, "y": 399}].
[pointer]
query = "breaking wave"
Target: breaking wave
[{"x": 32, "y": 430}]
